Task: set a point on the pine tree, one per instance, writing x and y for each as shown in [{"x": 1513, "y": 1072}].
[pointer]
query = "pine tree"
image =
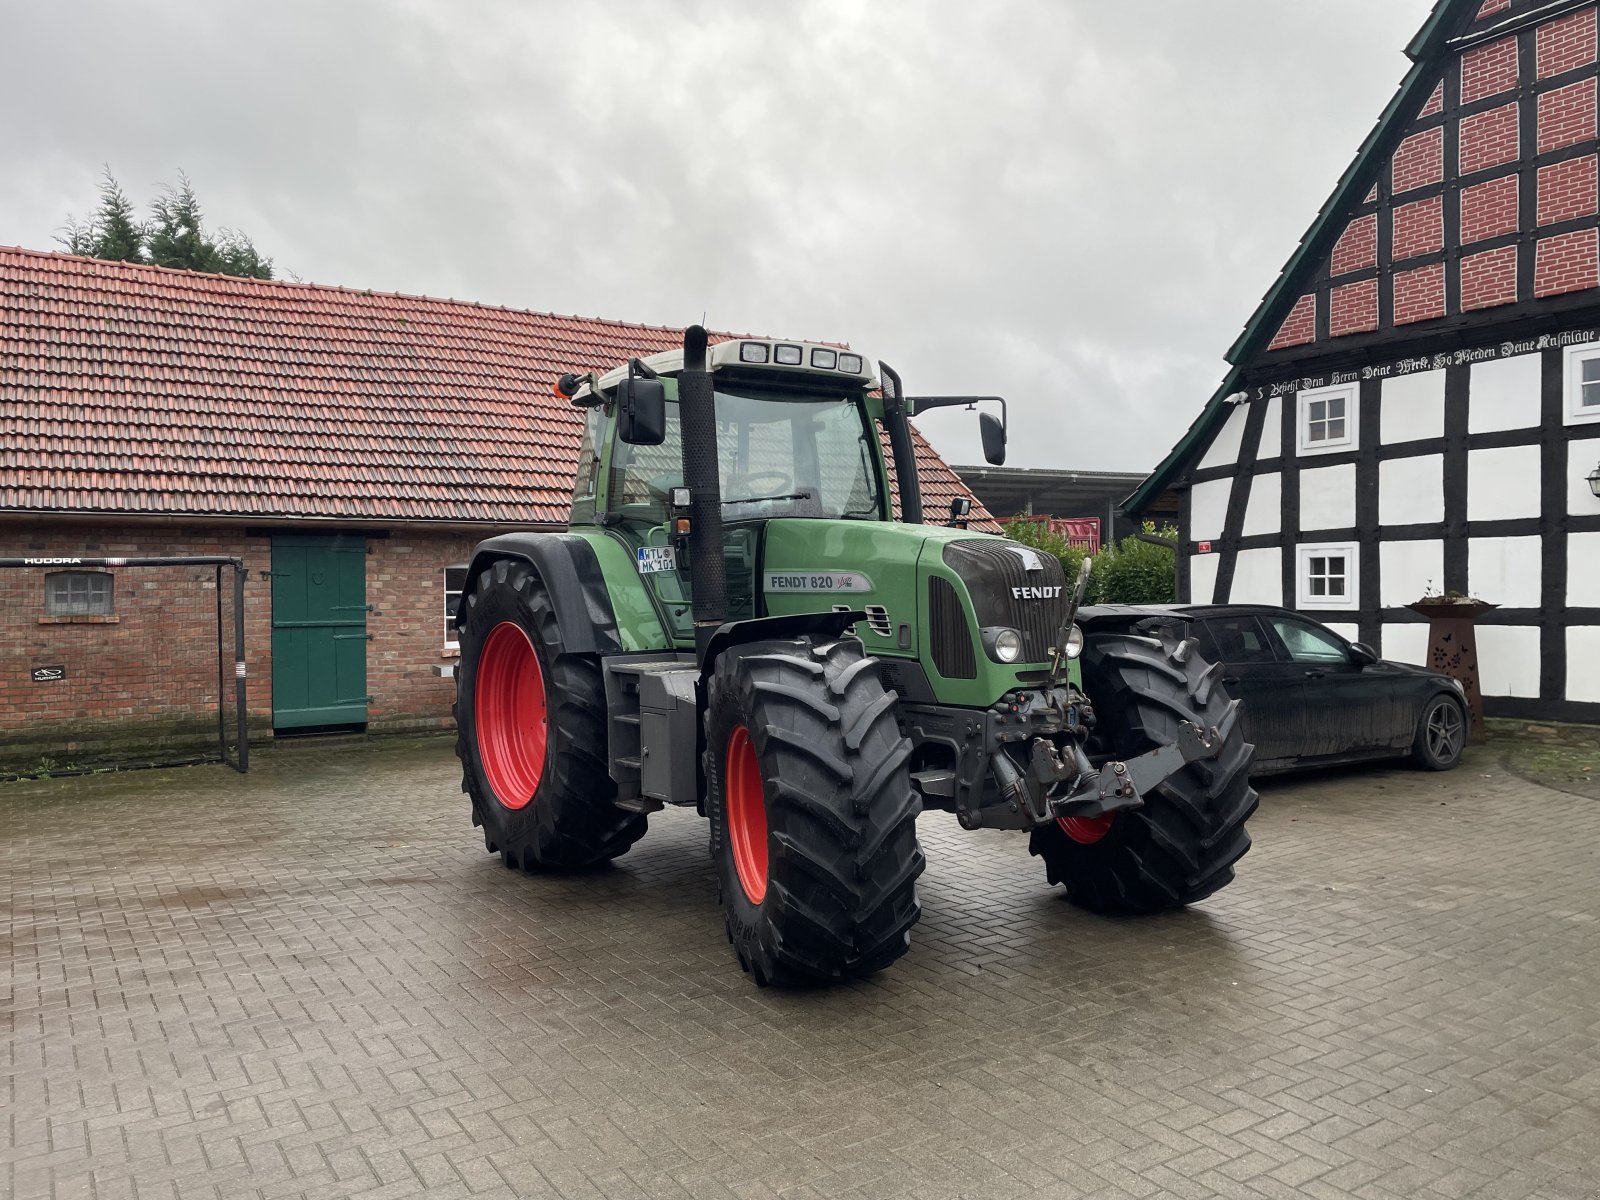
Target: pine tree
[
  {"x": 175, "y": 235},
  {"x": 113, "y": 232}
]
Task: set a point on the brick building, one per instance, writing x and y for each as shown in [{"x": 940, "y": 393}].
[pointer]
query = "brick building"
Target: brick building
[
  {"x": 1415, "y": 407},
  {"x": 351, "y": 447}
]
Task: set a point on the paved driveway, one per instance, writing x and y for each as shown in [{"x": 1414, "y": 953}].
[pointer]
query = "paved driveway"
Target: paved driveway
[{"x": 314, "y": 982}]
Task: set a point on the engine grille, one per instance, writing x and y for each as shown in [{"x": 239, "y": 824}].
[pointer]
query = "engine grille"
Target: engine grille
[
  {"x": 953, "y": 655},
  {"x": 991, "y": 569}
]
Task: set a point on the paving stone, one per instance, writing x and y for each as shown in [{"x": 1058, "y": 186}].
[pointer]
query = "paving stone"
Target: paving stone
[{"x": 311, "y": 982}]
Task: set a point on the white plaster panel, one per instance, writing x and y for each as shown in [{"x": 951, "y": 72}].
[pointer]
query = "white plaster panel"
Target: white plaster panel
[
  {"x": 1583, "y": 570},
  {"x": 1208, "y": 509},
  {"x": 1272, "y": 430},
  {"x": 1412, "y": 408},
  {"x": 1582, "y": 458},
  {"x": 1350, "y": 633},
  {"x": 1258, "y": 577},
  {"x": 1505, "y": 571},
  {"x": 1583, "y": 663},
  {"x": 1264, "y": 513},
  {"x": 1328, "y": 498},
  {"x": 1203, "y": 578},
  {"x": 1408, "y": 570},
  {"x": 1406, "y": 643},
  {"x": 1509, "y": 660},
  {"x": 1505, "y": 394},
  {"x": 1411, "y": 490},
  {"x": 1503, "y": 485},
  {"x": 1225, "y": 447}
]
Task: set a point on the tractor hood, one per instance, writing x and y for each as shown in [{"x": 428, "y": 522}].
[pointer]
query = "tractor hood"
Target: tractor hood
[{"x": 940, "y": 596}]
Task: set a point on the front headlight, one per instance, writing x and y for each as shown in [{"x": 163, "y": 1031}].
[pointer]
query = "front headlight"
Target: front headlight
[
  {"x": 1075, "y": 642},
  {"x": 1008, "y": 645}
]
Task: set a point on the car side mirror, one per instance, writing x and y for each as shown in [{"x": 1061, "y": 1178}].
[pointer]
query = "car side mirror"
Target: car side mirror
[
  {"x": 1364, "y": 654},
  {"x": 642, "y": 412},
  {"x": 994, "y": 439}
]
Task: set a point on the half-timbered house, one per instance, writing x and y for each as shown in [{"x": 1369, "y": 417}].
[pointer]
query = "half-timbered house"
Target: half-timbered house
[{"x": 1415, "y": 407}]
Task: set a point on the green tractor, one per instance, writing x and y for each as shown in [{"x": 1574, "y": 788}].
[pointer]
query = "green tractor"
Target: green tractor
[{"x": 736, "y": 622}]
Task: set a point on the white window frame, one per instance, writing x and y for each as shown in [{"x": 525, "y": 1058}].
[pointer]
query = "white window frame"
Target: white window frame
[
  {"x": 450, "y": 643},
  {"x": 1578, "y": 413},
  {"x": 1303, "y": 555},
  {"x": 1350, "y": 393}
]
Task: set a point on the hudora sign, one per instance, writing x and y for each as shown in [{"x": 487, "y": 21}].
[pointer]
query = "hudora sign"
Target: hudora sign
[{"x": 1428, "y": 362}]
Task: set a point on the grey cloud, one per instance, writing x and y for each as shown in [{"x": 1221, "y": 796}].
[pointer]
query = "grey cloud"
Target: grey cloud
[{"x": 1075, "y": 204}]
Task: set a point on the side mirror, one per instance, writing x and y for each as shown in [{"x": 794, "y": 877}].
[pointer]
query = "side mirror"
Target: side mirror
[
  {"x": 642, "y": 412},
  {"x": 1365, "y": 655},
  {"x": 994, "y": 439}
]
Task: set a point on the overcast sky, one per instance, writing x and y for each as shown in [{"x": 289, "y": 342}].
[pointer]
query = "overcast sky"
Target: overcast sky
[{"x": 1074, "y": 204}]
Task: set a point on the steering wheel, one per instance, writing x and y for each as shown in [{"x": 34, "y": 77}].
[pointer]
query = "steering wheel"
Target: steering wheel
[{"x": 766, "y": 481}]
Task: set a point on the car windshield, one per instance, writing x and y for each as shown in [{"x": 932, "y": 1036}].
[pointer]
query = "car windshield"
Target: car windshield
[{"x": 776, "y": 457}]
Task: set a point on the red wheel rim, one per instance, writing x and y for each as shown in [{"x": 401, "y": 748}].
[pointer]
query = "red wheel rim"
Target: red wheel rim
[
  {"x": 1086, "y": 831},
  {"x": 510, "y": 715},
  {"x": 747, "y": 815}
]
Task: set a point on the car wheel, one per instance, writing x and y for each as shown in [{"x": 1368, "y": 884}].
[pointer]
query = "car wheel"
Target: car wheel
[{"x": 1441, "y": 734}]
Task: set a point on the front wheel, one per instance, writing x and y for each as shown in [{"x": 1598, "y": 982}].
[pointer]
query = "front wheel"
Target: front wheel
[
  {"x": 1182, "y": 845},
  {"x": 813, "y": 816},
  {"x": 1441, "y": 734}
]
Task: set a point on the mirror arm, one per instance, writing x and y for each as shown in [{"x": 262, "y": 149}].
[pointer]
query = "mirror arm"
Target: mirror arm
[{"x": 920, "y": 404}]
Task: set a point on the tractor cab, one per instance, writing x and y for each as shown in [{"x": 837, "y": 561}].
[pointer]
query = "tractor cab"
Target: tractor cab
[{"x": 796, "y": 437}]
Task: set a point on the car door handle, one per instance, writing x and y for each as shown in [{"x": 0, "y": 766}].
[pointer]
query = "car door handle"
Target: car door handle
[
  {"x": 1315, "y": 674},
  {"x": 1230, "y": 680}
]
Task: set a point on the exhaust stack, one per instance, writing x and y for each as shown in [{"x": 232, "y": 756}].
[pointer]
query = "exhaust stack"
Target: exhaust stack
[{"x": 697, "y": 420}]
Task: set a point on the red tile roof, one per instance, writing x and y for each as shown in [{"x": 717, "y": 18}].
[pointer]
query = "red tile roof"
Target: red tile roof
[{"x": 140, "y": 390}]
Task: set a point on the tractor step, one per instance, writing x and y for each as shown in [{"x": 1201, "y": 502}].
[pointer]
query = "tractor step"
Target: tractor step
[{"x": 653, "y": 728}]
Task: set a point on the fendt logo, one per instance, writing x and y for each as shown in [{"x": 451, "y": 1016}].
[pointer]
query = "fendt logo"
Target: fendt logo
[
  {"x": 1035, "y": 593},
  {"x": 51, "y": 562}
]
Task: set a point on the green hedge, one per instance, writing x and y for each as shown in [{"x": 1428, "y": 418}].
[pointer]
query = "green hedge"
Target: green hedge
[{"x": 1127, "y": 572}]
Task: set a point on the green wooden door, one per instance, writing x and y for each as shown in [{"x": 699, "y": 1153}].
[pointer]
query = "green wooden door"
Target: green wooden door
[{"x": 319, "y": 631}]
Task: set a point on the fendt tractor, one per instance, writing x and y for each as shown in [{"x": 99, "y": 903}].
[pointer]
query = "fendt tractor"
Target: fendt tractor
[{"x": 737, "y": 622}]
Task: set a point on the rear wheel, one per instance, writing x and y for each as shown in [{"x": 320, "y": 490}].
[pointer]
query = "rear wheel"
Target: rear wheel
[
  {"x": 1441, "y": 733},
  {"x": 531, "y": 731},
  {"x": 1181, "y": 846},
  {"x": 813, "y": 816}
]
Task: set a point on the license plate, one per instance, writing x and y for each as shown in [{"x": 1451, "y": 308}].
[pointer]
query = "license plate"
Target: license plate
[{"x": 655, "y": 559}]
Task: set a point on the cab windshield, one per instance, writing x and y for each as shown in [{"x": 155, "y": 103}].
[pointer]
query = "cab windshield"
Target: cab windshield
[{"x": 776, "y": 457}]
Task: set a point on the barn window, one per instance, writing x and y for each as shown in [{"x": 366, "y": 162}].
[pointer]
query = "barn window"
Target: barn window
[
  {"x": 455, "y": 579},
  {"x": 1326, "y": 576},
  {"x": 1583, "y": 384},
  {"x": 1328, "y": 420},
  {"x": 78, "y": 594}
]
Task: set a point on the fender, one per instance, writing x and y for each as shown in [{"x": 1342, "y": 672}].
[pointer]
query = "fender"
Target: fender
[
  {"x": 569, "y": 566},
  {"x": 736, "y": 633}
]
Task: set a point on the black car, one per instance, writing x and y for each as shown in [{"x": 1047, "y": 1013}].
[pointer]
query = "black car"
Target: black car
[{"x": 1310, "y": 697}]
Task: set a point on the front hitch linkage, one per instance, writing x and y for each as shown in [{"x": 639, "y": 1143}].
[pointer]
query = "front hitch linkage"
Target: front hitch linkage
[{"x": 1115, "y": 786}]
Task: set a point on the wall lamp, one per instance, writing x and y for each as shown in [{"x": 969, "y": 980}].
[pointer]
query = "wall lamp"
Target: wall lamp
[{"x": 1594, "y": 481}]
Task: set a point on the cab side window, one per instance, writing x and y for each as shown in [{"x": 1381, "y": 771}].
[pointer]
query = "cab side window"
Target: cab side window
[{"x": 1307, "y": 643}]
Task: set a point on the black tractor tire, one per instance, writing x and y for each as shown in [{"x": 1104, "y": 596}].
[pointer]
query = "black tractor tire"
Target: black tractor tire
[
  {"x": 531, "y": 731},
  {"x": 1442, "y": 733},
  {"x": 807, "y": 780},
  {"x": 1181, "y": 846}
]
